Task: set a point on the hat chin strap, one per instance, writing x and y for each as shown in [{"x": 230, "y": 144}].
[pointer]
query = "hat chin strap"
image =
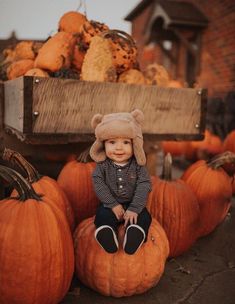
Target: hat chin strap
[
  {"x": 97, "y": 152},
  {"x": 139, "y": 151}
]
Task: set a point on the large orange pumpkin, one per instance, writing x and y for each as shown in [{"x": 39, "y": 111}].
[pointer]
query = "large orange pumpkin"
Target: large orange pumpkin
[
  {"x": 212, "y": 186},
  {"x": 175, "y": 206},
  {"x": 75, "y": 180},
  {"x": 119, "y": 274},
  {"x": 37, "y": 257},
  {"x": 42, "y": 184}
]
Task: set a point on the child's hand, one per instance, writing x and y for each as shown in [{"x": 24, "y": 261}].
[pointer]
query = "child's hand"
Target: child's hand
[
  {"x": 118, "y": 211},
  {"x": 130, "y": 216}
]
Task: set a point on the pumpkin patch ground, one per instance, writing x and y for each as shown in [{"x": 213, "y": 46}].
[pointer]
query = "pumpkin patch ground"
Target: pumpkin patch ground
[{"x": 204, "y": 274}]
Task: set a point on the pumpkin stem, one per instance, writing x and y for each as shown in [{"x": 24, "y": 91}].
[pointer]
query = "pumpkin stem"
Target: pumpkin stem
[
  {"x": 16, "y": 158},
  {"x": 167, "y": 170},
  {"x": 22, "y": 186},
  {"x": 221, "y": 159}
]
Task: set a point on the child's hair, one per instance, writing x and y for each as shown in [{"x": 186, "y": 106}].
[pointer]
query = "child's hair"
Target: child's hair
[{"x": 127, "y": 125}]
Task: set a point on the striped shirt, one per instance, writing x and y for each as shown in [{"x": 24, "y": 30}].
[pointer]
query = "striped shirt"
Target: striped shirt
[{"x": 128, "y": 184}]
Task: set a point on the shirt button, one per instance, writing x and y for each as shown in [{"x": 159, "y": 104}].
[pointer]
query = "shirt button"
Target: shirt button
[
  {"x": 120, "y": 186},
  {"x": 119, "y": 170},
  {"x": 120, "y": 179}
]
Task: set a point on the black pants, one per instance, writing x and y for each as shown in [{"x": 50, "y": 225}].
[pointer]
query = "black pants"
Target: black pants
[{"x": 105, "y": 216}]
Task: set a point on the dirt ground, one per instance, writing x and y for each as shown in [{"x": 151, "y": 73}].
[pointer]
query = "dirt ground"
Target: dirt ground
[{"x": 205, "y": 274}]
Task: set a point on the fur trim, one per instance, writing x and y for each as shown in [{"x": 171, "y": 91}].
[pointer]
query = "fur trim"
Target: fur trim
[
  {"x": 97, "y": 152},
  {"x": 139, "y": 151}
]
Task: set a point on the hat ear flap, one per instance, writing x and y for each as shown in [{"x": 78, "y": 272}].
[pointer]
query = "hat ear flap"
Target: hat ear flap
[
  {"x": 97, "y": 152},
  {"x": 139, "y": 151},
  {"x": 96, "y": 119},
  {"x": 138, "y": 116}
]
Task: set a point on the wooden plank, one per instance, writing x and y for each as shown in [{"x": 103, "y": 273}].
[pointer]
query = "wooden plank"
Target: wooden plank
[
  {"x": 67, "y": 106},
  {"x": 14, "y": 103},
  {"x": 63, "y": 108}
]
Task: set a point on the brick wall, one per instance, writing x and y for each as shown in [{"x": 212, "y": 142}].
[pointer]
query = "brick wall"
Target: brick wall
[
  {"x": 217, "y": 65},
  {"x": 218, "y": 47}
]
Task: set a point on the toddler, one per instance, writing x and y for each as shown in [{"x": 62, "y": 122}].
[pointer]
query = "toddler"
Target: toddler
[{"x": 120, "y": 180}]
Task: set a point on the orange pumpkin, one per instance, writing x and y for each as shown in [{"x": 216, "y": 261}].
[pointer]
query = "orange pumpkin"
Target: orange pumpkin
[
  {"x": 123, "y": 48},
  {"x": 156, "y": 74},
  {"x": 177, "y": 148},
  {"x": 19, "y": 68},
  {"x": 42, "y": 184},
  {"x": 75, "y": 180},
  {"x": 71, "y": 22},
  {"x": 119, "y": 274},
  {"x": 36, "y": 245},
  {"x": 89, "y": 29},
  {"x": 9, "y": 55},
  {"x": 78, "y": 55},
  {"x": 132, "y": 76},
  {"x": 212, "y": 186},
  {"x": 229, "y": 142},
  {"x": 229, "y": 145},
  {"x": 233, "y": 185},
  {"x": 209, "y": 146},
  {"x": 175, "y": 84},
  {"x": 24, "y": 50},
  {"x": 36, "y": 72},
  {"x": 56, "y": 53},
  {"x": 175, "y": 206}
]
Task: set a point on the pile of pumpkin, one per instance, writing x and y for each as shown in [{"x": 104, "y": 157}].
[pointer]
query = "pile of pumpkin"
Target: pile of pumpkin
[
  {"x": 193, "y": 150},
  {"x": 47, "y": 229},
  {"x": 86, "y": 50},
  {"x": 210, "y": 146}
]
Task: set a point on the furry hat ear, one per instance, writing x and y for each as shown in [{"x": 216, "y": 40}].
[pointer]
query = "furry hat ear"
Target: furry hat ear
[
  {"x": 138, "y": 116},
  {"x": 96, "y": 119}
]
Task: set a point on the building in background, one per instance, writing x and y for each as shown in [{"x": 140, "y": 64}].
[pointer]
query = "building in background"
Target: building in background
[{"x": 193, "y": 39}]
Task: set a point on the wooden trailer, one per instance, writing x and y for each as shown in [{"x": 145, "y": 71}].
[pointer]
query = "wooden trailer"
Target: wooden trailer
[{"x": 43, "y": 117}]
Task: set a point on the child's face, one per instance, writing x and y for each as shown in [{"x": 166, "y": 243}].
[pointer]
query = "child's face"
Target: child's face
[{"x": 119, "y": 149}]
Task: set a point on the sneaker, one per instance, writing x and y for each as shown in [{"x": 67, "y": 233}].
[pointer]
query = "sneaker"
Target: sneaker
[
  {"x": 133, "y": 239},
  {"x": 107, "y": 239}
]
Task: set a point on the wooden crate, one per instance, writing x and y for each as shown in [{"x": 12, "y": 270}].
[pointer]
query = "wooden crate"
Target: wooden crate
[{"x": 49, "y": 110}]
